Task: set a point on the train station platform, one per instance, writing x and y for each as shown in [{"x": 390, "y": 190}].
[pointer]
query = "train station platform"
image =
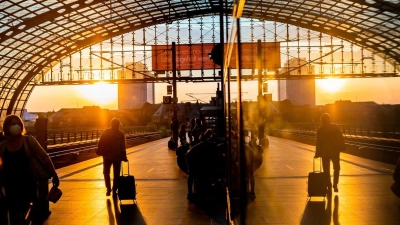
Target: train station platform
[{"x": 364, "y": 195}]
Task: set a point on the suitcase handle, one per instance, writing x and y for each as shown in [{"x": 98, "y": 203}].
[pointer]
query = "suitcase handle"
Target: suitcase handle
[
  {"x": 122, "y": 168},
  {"x": 320, "y": 165}
]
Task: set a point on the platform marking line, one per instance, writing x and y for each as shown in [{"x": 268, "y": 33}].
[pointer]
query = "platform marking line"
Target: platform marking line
[
  {"x": 344, "y": 160},
  {"x": 101, "y": 163}
]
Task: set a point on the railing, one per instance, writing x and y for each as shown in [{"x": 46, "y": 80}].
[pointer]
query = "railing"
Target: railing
[
  {"x": 382, "y": 131},
  {"x": 62, "y": 137}
]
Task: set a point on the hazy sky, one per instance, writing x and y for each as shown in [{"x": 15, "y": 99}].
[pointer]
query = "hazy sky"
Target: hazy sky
[{"x": 48, "y": 98}]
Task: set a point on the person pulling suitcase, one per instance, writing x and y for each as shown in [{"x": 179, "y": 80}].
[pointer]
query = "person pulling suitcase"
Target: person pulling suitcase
[
  {"x": 329, "y": 144},
  {"x": 111, "y": 146}
]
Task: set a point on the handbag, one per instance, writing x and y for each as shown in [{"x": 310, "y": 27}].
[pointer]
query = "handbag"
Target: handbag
[
  {"x": 54, "y": 194},
  {"x": 36, "y": 165}
]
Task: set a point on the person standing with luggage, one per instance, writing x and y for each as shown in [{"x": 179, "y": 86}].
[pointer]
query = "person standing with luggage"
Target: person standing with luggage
[
  {"x": 112, "y": 147},
  {"x": 329, "y": 144}
]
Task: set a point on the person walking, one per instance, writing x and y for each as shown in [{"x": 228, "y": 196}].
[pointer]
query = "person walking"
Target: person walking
[
  {"x": 112, "y": 147},
  {"x": 329, "y": 144},
  {"x": 25, "y": 168}
]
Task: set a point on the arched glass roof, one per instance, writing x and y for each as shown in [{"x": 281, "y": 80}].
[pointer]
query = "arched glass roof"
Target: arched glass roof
[{"x": 37, "y": 33}]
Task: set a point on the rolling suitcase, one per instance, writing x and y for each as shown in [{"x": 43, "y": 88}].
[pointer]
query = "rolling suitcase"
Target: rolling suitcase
[
  {"x": 316, "y": 182},
  {"x": 126, "y": 186}
]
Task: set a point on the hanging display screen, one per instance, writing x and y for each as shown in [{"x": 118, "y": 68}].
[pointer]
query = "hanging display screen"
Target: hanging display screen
[{"x": 197, "y": 56}]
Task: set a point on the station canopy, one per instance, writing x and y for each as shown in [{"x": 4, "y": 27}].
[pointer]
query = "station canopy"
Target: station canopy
[{"x": 35, "y": 34}]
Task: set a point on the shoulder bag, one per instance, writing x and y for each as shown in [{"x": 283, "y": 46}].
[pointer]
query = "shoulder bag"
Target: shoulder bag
[{"x": 37, "y": 166}]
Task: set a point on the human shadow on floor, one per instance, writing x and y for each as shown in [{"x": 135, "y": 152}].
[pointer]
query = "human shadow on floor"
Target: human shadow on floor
[
  {"x": 317, "y": 212},
  {"x": 212, "y": 201},
  {"x": 124, "y": 214},
  {"x": 336, "y": 211},
  {"x": 320, "y": 212}
]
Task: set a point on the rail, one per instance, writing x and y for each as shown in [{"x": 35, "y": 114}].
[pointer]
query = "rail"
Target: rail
[
  {"x": 383, "y": 130},
  {"x": 384, "y": 144},
  {"x": 379, "y": 149},
  {"x": 61, "y": 137},
  {"x": 77, "y": 147}
]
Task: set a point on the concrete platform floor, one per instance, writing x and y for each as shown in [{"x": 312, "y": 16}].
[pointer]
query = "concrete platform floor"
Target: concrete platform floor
[{"x": 364, "y": 195}]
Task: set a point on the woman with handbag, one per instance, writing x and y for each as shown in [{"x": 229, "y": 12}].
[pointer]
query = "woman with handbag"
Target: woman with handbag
[{"x": 25, "y": 167}]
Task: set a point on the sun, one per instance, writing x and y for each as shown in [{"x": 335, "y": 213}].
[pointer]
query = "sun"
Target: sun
[
  {"x": 331, "y": 85},
  {"x": 99, "y": 93}
]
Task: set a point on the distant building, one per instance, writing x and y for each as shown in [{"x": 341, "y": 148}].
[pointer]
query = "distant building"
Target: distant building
[
  {"x": 140, "y": 114},
  {"x": 348, "y": 112},
  {"x": 133, "y": 94},
  {"x": 80, "y": 118},
  {"x": 164, "y": 114},
  {"x": 298, "y": 91}
]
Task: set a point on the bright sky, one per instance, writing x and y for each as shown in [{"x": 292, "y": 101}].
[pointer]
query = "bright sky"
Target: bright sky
[{"x": 48, "y": 98}]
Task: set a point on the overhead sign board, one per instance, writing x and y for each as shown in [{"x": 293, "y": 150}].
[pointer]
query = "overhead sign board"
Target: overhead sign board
[
  {"x": 196, "y": 56},
  {"x": 167, "y": 99},
  {"x": 169, "y": 89}
]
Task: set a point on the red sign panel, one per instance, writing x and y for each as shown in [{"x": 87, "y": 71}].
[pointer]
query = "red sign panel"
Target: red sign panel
[
  {"x": 196, "y": 56},
  {"x": 192, "y": 57},
  {"x": 270, "y": 56}
]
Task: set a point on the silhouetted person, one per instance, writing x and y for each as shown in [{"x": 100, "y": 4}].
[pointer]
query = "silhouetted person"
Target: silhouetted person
[
  {"x": 20, "y": 178},
  {"x": 396, "y": 177},
  {"x": 329, "y": 144},
  {"x": 197, "y": 132},
  {"x": 188, "y": 127},
  {"x": 174, "y": 126},
  {"x": 190, "y": 133},
  {"x": 205, "y": 162},
  {"x": 249, "y": 155},
  {"x": 182, "y": 133},
  {"x": 112, "y": 147}
]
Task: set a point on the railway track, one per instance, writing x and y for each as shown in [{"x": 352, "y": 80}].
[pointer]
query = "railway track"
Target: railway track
[
  {"x": 67, "y": 154},
  {"x": 380, "y": 149}
]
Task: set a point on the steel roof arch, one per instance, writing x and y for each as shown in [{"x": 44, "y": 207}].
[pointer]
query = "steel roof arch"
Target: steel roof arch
[{"x": 35, "y": 34}]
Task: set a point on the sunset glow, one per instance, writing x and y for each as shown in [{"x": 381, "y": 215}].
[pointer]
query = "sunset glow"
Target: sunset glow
[
  {"x": 100, "y": 93},
  {"x": 331, "y": 85}
]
